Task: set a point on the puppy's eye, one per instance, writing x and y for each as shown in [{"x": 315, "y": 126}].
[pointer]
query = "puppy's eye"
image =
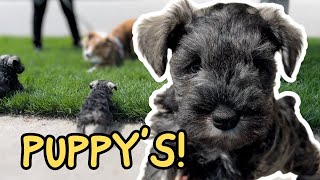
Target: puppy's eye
[
  {"x": 195, "y": 68},
  {"x": 15, "y": 63}
]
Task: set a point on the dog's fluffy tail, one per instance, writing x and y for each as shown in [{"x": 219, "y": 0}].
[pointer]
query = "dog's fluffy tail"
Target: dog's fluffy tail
[
  {"x": 85, "y": 118},
  {"x": 93, "y": 117}
]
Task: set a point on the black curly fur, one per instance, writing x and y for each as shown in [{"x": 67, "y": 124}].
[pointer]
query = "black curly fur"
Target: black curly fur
[
  {"x": 97, "y": 108},
  {"x": 10, "y": 67},
  {"x": 223, "y": 72},
  {"x": 249, "y": 162}
]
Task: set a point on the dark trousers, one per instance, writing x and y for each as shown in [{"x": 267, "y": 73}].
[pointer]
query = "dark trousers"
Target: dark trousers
[{"x": 39, "y": 10}]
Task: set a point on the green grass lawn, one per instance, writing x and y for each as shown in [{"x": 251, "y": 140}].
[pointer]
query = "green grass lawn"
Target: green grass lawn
[
  {"x": 56, "y": 82},
  {"x": 308, "y": 84}
]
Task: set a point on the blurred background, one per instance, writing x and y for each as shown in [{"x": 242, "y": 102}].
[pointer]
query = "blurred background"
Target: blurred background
[{"x": 16, "y": 15}]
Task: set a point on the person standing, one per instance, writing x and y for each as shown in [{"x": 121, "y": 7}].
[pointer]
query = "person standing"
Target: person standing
[
  {"x": 284, "y": 3},
  {"x": 39, "y": 10}
]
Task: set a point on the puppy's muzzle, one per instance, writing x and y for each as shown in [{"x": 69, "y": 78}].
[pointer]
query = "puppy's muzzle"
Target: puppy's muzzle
[
  {"x": 20, "y": 69},
  {"x": 225, "y": 118},
  {"x": 88, "y": 55}
]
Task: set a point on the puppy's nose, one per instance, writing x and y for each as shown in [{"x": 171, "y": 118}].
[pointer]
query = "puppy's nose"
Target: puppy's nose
[
  {"x": 224, "y": 118},
  {"x": 88, "y": 55},
  {"x": 20, "y": 69}
]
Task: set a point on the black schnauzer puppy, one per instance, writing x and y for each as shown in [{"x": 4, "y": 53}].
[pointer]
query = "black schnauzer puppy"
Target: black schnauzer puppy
[
  {"x": 223, "y": 92},
  {"x": 10, "y": 66},
  {"x": 98, "y": 107}
]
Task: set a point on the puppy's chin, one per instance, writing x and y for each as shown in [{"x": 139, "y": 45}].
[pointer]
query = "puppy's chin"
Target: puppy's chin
[{"x": 95, "y": 60}]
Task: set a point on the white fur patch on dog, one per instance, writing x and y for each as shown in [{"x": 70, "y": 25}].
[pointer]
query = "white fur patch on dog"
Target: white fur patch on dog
[
  {"x": 93, "y": 84},
  {"x": 111, "y": 85}
]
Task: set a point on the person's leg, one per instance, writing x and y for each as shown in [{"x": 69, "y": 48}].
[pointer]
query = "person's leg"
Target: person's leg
[
  {"x": 38, "y": 12},
  {"x": 67, "y": 7},
  {"x": 284, "y": 3}
]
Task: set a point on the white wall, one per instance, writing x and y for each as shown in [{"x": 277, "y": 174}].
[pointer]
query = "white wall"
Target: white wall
[{"x": 15, "y": 15}]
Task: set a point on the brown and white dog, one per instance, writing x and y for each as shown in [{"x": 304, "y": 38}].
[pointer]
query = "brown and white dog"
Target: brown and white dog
[{"x": 104, "y": 50}]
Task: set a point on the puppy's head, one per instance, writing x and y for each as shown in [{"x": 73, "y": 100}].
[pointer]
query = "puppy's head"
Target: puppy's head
[
  {"x": 97, "y": 48},
  {"x": 12, "y": 64},
  {"x": 103, "y": 84},
  {"x": 222, "y": 67}
]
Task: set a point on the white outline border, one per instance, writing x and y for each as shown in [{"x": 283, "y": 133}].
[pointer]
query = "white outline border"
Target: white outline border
[{"x": 280, "y": 73}]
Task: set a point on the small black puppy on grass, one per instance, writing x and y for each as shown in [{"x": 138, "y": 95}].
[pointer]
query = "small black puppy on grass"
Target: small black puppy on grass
[
  {"x": 98, "y": 107},
  {"x": 10, "y": 66}
]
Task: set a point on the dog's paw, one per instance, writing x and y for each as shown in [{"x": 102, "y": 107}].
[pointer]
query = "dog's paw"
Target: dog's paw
[
  {"x": 91, "y": 70},
  {"x": 81, "y": 128},
  {"x": 287, "y": 102},
  {"x": 159, "y": 103},
  {"x": 165, "y": 102},
  {"x": 102, "y": 129},
  {"x": 291, "y": 101},
  {"x": 19, "y": 87}
]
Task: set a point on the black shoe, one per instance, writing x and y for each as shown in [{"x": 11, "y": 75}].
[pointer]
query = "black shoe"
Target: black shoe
[
  {"x": 38, "y": 47},
  {"x": 77, "y": 45}
]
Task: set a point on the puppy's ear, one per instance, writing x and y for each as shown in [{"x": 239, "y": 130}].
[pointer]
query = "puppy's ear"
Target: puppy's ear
[
  {"x": 91, "y": 35},
  {"x": 14, "y": 61},
  {"x": 290, "y": 36},
  {"x": 154, "y": 33},
  {"x": 111, "y": 85},
  {"x": 4, "y": 57},
  {"x": 93, "y": 84}
]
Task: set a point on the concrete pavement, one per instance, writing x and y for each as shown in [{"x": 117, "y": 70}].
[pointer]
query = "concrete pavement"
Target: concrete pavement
[{"x": 11, "y": 129}]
